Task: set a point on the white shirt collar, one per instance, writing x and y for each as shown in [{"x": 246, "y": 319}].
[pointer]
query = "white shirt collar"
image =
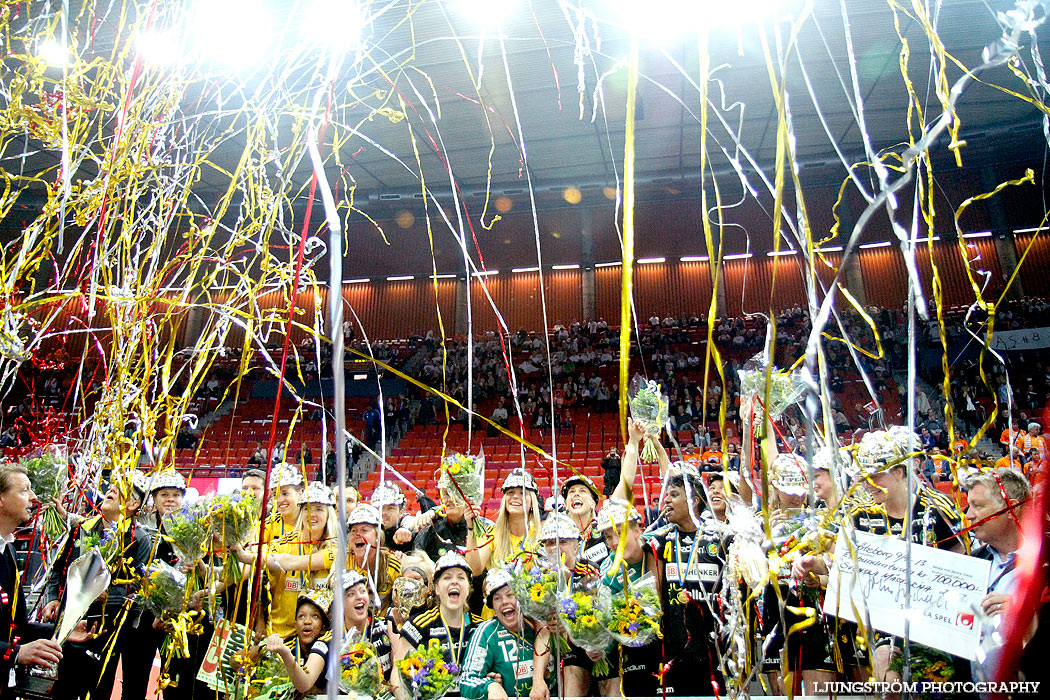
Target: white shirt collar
[{"x": 6, "y": 540}]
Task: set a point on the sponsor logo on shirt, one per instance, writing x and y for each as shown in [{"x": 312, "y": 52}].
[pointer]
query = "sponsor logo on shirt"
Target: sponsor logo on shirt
[
  {"x": 698, "y": 572},
  {"x": 596, "y": 553},
  {"x": 523, "y": 669}
]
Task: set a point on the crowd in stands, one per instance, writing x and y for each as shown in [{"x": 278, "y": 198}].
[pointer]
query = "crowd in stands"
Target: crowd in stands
[{"x": 710, "y": 485}]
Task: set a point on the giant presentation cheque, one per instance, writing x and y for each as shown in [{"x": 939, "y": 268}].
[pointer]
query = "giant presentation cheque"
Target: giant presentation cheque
[{"x": 944, "y": 601}]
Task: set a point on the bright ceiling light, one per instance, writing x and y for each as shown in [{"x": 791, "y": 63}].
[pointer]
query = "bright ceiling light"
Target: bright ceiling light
[
  {"x": 526, "y": 269},
  {"x": 235, "y": 33},
  {"x": 53, "y": 53},
  {"x": 488, "y": 14},
  {"x": 357, "y": 281},
  {"x": 868, "y": 246},
  {"x": 566, "y": 267},
  {"x": 694, "y": 258},
  {"x": 486, "y": 273},
  {"x": 608, "y": 264},
  {"x": 398, "y": 278},
  {"x": 737, "y": 256},
  {"x": 831, "y": 249},
  {"x": 335, "y": 24},
  {"x": 158, "y": 48},
  {"x": 977, "y": 234},
  {"x": 645, "y": 261},
  {"x": 778, "y": 253}
]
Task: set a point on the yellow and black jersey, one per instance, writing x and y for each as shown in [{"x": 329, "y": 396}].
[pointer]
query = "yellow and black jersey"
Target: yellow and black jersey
[
  {"x": 429, "y": 624},
  {"x": 934, "y": 520}
]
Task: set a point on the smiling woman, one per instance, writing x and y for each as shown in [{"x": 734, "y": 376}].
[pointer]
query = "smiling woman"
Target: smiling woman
[{"x": 301, "y": 561}]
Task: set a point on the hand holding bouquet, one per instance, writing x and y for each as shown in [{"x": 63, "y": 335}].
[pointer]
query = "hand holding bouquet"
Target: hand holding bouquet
[
  {"x": 189, "y": 532},
  {"x": 633, "y": 616},
  {"x": 578, "y": 615},
  {"x": 648, "y": 406},
  {"x": 427, "y": 674},
  {"x": 106, "y": 540},
  {"x": 535, "y": 583},
  {"x": 359, "y": 670},
  {"x": 271, "y": 681},
  {"x": 232, "y": 518},
  {"x": 163, "y": 588},
  {"x": 463, "y": 481},
  {"x": 785, "y": 388},
  {"x": 48, "y": 476}
]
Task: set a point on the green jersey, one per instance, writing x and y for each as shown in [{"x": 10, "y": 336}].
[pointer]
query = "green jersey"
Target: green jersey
[
  {"x": 496, "y": 650},
  {"x": 613, "y": 580}
]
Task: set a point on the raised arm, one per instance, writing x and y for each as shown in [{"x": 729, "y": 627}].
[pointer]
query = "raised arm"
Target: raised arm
[
  {"x": 478, "y": 554},
  {"x": 629, "y": 463},
  {"x": 303, "y": 677}
]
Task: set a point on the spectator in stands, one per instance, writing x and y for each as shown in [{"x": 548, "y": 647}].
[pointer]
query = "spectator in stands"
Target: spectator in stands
[
  {"x": 258, "y": 456},
  {"x": 372, "y": 427},
  {"x": 1010, "y": 433},
  {"x": 499, "y": 416},
  {"x": 732, "y": 457},
  {"x": 652, "y": 511},
  {"x": 990, "y": 493},
  {"x": 610, "y": 470},
  {"x": 1033, "y": 439},
  {"x": 926, "y": 439},
  {"x": 540, "y": 420}
]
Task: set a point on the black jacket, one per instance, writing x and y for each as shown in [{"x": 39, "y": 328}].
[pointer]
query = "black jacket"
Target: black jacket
[{"x": 15, "y": 629}]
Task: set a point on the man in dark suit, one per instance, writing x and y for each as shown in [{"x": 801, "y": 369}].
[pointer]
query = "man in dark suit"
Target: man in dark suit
[{"x": 21, "y": 642}]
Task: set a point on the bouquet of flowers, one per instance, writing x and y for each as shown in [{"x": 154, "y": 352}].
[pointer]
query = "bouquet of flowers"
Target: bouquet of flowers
[
  {"x": 785, "y": 388},
  {"x": 633, "y": 616},
  {"x": 649, "y": 406},
  {"x": 463, "y": 480},
  {"x": 48, "y": 476},
  {"x": 359, "y": 670},
  {"x": 927, "y": 666},
  {"x": 578, "y": 615},
  {"x": 535, "y": 583},
  {"x": 189, "y": 532},
  {"x": 232, "y": 517},
  {"x": 107, "y": 540},
  {"x": 163, "y": 588},
  {"x": 271, "y": 681},
  {"x": 427, "y": 674}
]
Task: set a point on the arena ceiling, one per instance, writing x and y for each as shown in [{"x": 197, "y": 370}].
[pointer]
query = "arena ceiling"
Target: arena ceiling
[{"x": 538, "y": 119}]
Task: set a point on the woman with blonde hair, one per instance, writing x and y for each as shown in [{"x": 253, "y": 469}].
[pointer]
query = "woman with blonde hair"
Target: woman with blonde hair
[
  {"x": 301, "y": 560},
  {"x": 516, "y": 528}
]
